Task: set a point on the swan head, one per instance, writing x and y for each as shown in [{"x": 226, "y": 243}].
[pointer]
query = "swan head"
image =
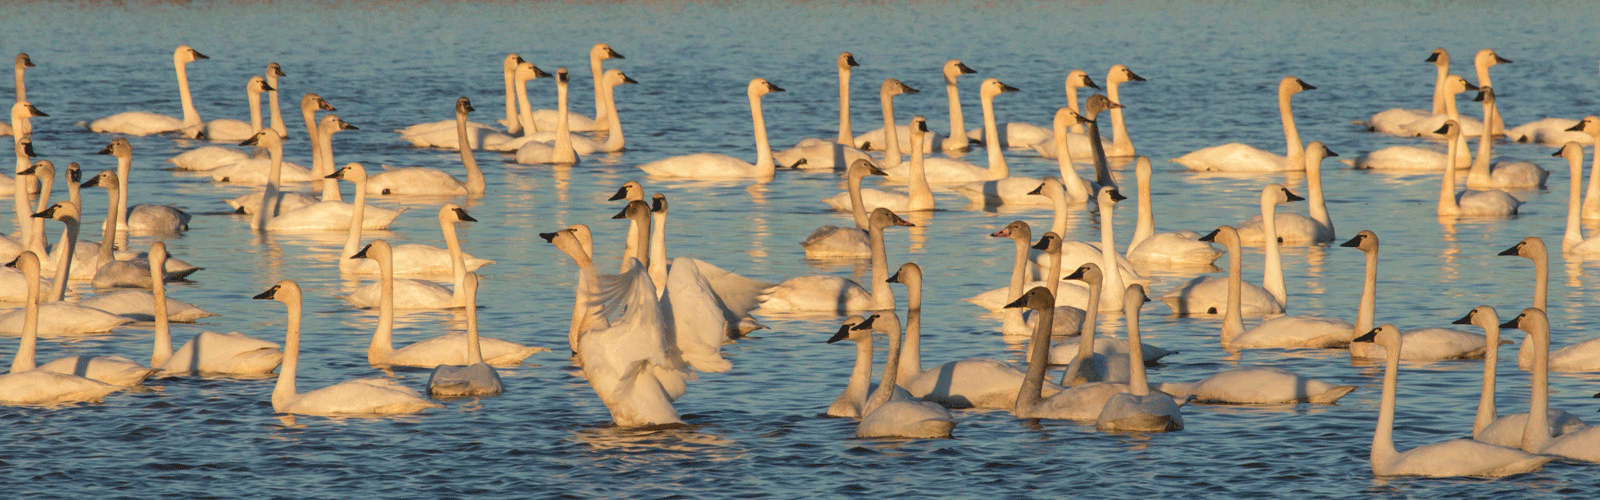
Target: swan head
[
  {"x": 636, "y": 209},
  {"x": 1276, "y": 193},
  {"x": 847, "y": 61},
  {"x": 74, "y": 173},
  {"x": 1078, "y": 78},
  {"x": 955, "y": 68},
  {"x": 603, "y": 51},
  {"x": 41, "y": 168},
  {"x": 1366, "y": 241},
  {"x": 1120, "y": 73},
  {"x": 274, "y": 70},
  {"x": 62, "y": 211},
  {"x": 464, "y": 105},
  {"x": 630, "y": 191},
  {"x": 25, "y": 147},
  {"x": 851, "y": 325},
  {"x": 993, "y": 87},
  {"x": 893, "y": 87},
  {"x": 1455, "y": 84},
  {"x": 1485, "y": 95},
  {"x": 1451, "y": 130},
  {"x": 285, "y": 291},
  {"x": 919, "y": 126},
  {"x": 760, "y": 87},
  {"x": 1439, "y": 57},
  {"x": 863, "y": 167},
  {"x": 25, "y": 109},
  {"x": 1530, "y": 247},
  {"x": 570, "y": 242},
  {"x": 267, "y": 138},
  {"x": 1039, "y": 298},
  {"x": 313, "y": 101},
  {"x": 1109, "y": 195},
  {"x": 1016, "y": 230},
  {"x": 330, "y": 124},
  {"x": 23, "y": 61},
  {"x": 615, "y": 77},
  {"x": 527, "y": 71},
  {"x": 1319, "y": 151},
  {"x": 658, "y": 204},
  {"x": 352, "y": 172},
  {"x": 1532, "y": 321},
  {"x": 1094, "y": 105},
  {"x": 883, "y": 217},
  {"x": 511, "y": 62},
  {"x": 1133, "y": 299},
  {"x": 1291, "y": 85},
  {"x": 1572, "y": 151},
  {"x": 1050, "y": 242},
  {"x": 1484, "y": 316},
  {"x": 256, "y": 85},
  {"x": 24, "y": 262},
  {"x": 185, "y": 54},
  {"x": 1089, "y": 273},
  {"x": 1487, "y": 58},
  {"x": 451, "y": 212},
  {"x": 561, "y": 76},
  {"x": 378, "y": 249},
  {"x": 909, "y": 274},
  {"x": 106, "y": 179},
  {"x": 1387, "y": 336},
  {"x": 119, "y": 148},
  {"x": 1589, "y": 125}
]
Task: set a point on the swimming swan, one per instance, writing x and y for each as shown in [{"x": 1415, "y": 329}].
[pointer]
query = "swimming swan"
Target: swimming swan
[
  {"x": 1082, "y": 402},
  {"x": 1288, "y": 331},
  {"x": 1141, "y": 408},
  {"x": 1295, "y": 229},
  {"x": 1508, "y": 430},
  {"x": 148, "y": 123},
  {"x": 949, "y": 170},
  {"x": 1501, "y": 174},
  {"x": 26, "y": 385},
  {"x": 890, "y": 412},
  {"x": 837, "y": 154},
  {"x": 718, "y": 166},
  {"x": 1173, "y": 249},
  {"x": 475, "y": 378},
  {"x": 1207, "y": 295},
  {"x": 1236, "y": 157},
  {"x": 1539, "y": 436},
  {"x": 1469, "y": 203},
  {"x": 429, "y": 181},
  {"x": 230, "y": 130}
]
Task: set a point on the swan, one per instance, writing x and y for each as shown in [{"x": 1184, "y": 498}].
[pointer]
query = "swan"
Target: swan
[
  {"x": 117, "y": 370},
  {"x": 230, "y": 130},
  {"x": 1573, "y": 244},
  {"x": 429, "y": 181},
  {"x": 441, "y": 135},
  {"x": 630, "y": 362},
  {"x": 1551, "y": 132},
  {"x": 1020, "y": 233},
  {"x": 26, "y": 385},
  {"x": 414, "y": 259},
  {"x": 892, "y": 138},
  {"x": 1053, "y": 147},
  {"x": 1208, "y": 294},
  {"x": 1457, "y": 457},
  {"x": 852, "y": 402},
  {"x": 838, "y": 154},
  {"x": 582, "y": 145},
  {"x": 1236, "y": 157},
  {"x": 336, "y": 215},
  {"x": 1296, "y": 229},
  {"x": 1591, "y": 198},
  {"x": 718, "y": 166},
  {"x": 476, "y": 377},
  {"x": 139, "y": 305},
  {"x": 1027, "y": 135},
  {"x": 1290, "y": 331},
  {"x": 1022, "y": 237},
  {"x": 949, "y": 170},
  {"x": 1415, "y": 122},
  {"x": 1469, "y": 203},
  {"x": 1481, "y": 63},
  {"x": 1073, "y": 253},
  {"x": 58, "y": 317},
  {"x": 1258, "y": 385},
  {"x": 835, "y": 242},
  {"x": 1427, "y": 344},
  {"x": 960, "y": 140},
  {"x": 22, "y": 115},
  {"x": 1081, "y": 402},
  {"x": 820, "y": 293},
  {"x": 275, "y": 70},
  {"x": 890, "y": 412},
  {"x": 512, "y": 123},
  {"x": 1502, "y": 174},
  {"x": 1068, "y": 320},
  {"x": 1121, "y": 142},
  {"x": 1540, "y": 436},
  {"x": 21, "y": 64},
  {"x": 361, "y": 397},
  {"x": 148, "y": 123},
  {"x": 210, "y": 157},
  {"x": 1024, "y": 191},
  {"x": 1091, "y": 359},
  {"x": 321, "y": 165},
  {"x": 1176, "y": 249},
  {"x": 1580, "y": 357},
  {"x": 560, "y": 150},
  {"x": 585, "y": 309},
  {"x": 1141, "y": 408},
  {"x": 1508, "y": 430},
  {"x": 918, "y": 196},
  {"x": 402, "y": 293},
  {"x": 208, "y": 353},
  {"x": 963, "y": 383},
  {"x": 101, "y": 263},
  {"x": 141, "y": 218},
  {"x": 447, "y": 349},
  {"x": 263, "y": 171},
  {"x": 604, "y": 109}
]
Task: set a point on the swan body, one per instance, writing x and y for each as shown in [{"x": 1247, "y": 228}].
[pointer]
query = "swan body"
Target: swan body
[
  {"x": 628, "y": 363},
  {"x": 838, "y": 154},
  {"x": 413, "y": 259},
  {"x": 952, "y": 171},
  {"x": 1149, "y": 248},
  {"x": 1428, "y": 344},
  {"x": 207, "y": 158},
  {"x": 1500, "y": 174},
  {"x": 230, "y": 130},
  {"x": 890, "y": 412},
  {"x": 816, "y": 293},
  {"x": 1208, "y": 295},
  {"x": 428, "y": 181},
  {"x": 143, "y": 218},
  {"x": 139, "y": 305},
  {"x": 1259, "y": 385},
  {"x": 718, "y": 166},
  {"x": 1141, "y": 408},
  {"x": 1549, "y": 132},
  {"x": 1419, "y": 123},
  {"x": 1573, "y": 244},
  {"x": 148, "y": 123},
  {"x": 475, "y": 377},
  {"x": 1236, "y": 157},
  {"x": 1295, "y": 229},
  {"x": 27, "y": 385},
  {"x": 448, "y": 349},
  {"x": 1469, "y": 203}
]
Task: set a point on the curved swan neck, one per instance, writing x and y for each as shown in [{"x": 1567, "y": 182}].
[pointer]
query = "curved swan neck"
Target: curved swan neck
[
  {"x": 525, "y": 107},
  {"x": 1272, "y": 276},
  {"x": 458, "y": 262},
  {"x": 269, "y": 195},
  {"x": 255, "y": 107},
  {"x": 958, "y": 123},
  {"x": 352, "y": 242},
  {"x": 846, "y": 137},
  {"x": 25, "y": 359},
  {"x": 1062, "y": 209},
  {"x": 860, "y": 374},
  {"x": 1368, "y": 307},
  {"x": 882, "y": 294},
  {"x": 1138, "y": 385},
  {"x": 888, "y": 382},
  {"x": 382, "y": 345},
  {"x": 474, "y": 348},
  {"x": 1318, "y": 208},
  {"x": 1070, "y": 179},
  {"x": 158, "y": 290},
  {"x": 1383, "y": 435},
  {"x": 1295, "y": 151},
  {"x": 1233, "y": 315},
  {"x": 1082, "y": 369},
  {"x": 614, "y": 139},
  {"x": 66, "y": 246},
  {"x": 513, "y": 124},
  {"x": 911, "y": 352},
  {"x": 1145, "y": 227},
  {"x": 1032, "y": 390},
  {"x": 475, "y": 183},
  {"x": 857, "y": 207},
  {"x": 991, "y": 141},
  {"x": 1102, "y": 172},
  {"x": 1121, "y": 142},
  {"x": 1491, "y": 359},
  {"x": 1537, "y": 433},
  {"x": 322, "y": 156},
  {"x": 658, "y": 251},
  {"x": 891, "y": 148},
  {"x": 124, "y": 170},
  {"x": 284, "y": 391},
  {"x": 1591, "y": 200}
]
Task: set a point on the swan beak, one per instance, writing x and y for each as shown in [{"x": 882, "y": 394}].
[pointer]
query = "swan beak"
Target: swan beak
[
  {"x": 1304, "y": 85},
  {"x": 47, "y": 213},
  {"x": 1038, "y": 190},
  {"x": 1211, "y": 236},
  {"x": 267, "y": 88},
  {"x": 1077, "y": 274},
  {"x": 1514, "y": 250},
  {"x": 658, "y": 203},
  {"x": 462, "y": 216},
  {"x": 1292, "y": 197},
  {"x": 1020, "y": 302},
  {"x": 337, "y": 174},
  {"x": 1371, "y": 336},
  {"x": 35, "y": 111},
  {"x": 325, "y": 106},
  {"x": 1087, "y": 82},
  {"x": 92, "y": 182},
  {"x": 1136, "y": 78},
  {"x": 1577, "y": 128},
  {"x": 893, "y": 279},
  {"x": 197, "y": 54},
  {"x": 1501, "y": 60},
  {"x": 621, "y": 215},
  {"x": 1512, "y": 323},
  {"x": 1354, "y": 242},
  {"x": 105, "y": 151},
  {"x": 1117, "y": 195},
  {"x": 277, "y": 70},
  {"x": 247, "y": 142},
  {"x": 1432, "y": 58},
  {"x": 626, "y": 79},
  {"x": 1002, "y": 233},
  {"x": 964, "y": 69},
  {"x": 898, "y": 221},
  {"x": 1465, "y": 320},
  {"x": 866, "y": 324},
  {"x": 872, "y": 170},
  {"x": 844, "y": 333},
  {"x": 1329, "y": 153},
  {"x": 774, "y": 88},
  {"x": 363, "y": 253},
  {"x": 548, "y": 237},
  {"x": 1442, "y": 130},
  {"x": 621, "y": 193},
  {"x": 1044, "y": 243},
  {"x": 31, "y": 170},
  {"x": 269, "y": 294},
  {"x": 1007, "y": 88},
  {"x": 27, "y": 149},
  {"x": 13, "y": 263},
  {"x": 346, "y": 126},
  {"x": 613, "y": 54}
]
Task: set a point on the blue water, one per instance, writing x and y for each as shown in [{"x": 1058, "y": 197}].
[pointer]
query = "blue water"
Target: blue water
[{"x": 756, "y": 431}]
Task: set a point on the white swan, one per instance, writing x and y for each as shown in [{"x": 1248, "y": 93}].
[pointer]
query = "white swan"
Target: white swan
[
  {"x": 832, "y": 294},
  {"x": 117, "y": 370},
  {"x": 476, "y": 377},
  {"x": 1173, "y": 249},
  {"x": 1501, "y": 174},
  {"x": 321, "y": 165},
  {"x": 231, "y": 130},
  {"x": 963, "y": 383},
  {"x": 21, "y": 65},
  {"x": 890, "y": 412},
  {"x": 441, "y": 135},
  {"x": 402, "y": 293},
  {"x": 1106, "y": 358},
  {"x": 142, "y": 218},
  {"x": 1469, "y": 203},
  {"x": 1580, "y": 357},
  {"x": 1141, "y": 409},
  {"x": 718, "y": 166},
  {"x": 630, "y": 362},
  {"x": 148, "y": 123},
  {"x": 1508, "y": 430},
  {"x": 1422, "y": 123},
  {"x": 26, "y": 385},
  {"x": 414, "y": 259},
  {"x": 447, "y": 349},
  {"x": 1073, "y": 253},
  {"x": 582, "y": 145},
  {"x": 546, "y": 119},
  {"x": 892, "y": 138},
  {"x": 1075, "y": 137},
  {"x": 429, "y": 181},
  {"x": 918, "y": 196},
  {"x": 361, "y": 397},
  {"x": 1289, "y": 331},
  {"x": 1021, "y": 234},
  {"x": 1258, "y": 385},
  {"x": 852, "y": 402},
  {"x": 58, "y": 317},
  {"x": 1573, "y": 244},
  {"x": 1457, "y": 457},
  {"x": 1481, "y": 62},
  {"x": 836, "y": 242},
  {"x": 1237, "y": 157},
  {"x": 334, "y": 215},
  {"x": 1027, "y": 135},
  {"x": 1590, "y": 125},
  {"x": 508, "y": 66},
  {"x": 275, "y": 70},
  {"x": 1295, "y": 229},
  {"x": 263, "y": 171},
  {"x": 560, "y": 149},
  {"x": 949, "y": 170},
  {"x": 1013, "y": 190},
  {"x": 1540, "y": 436},
  {"x": 1080, "y": 402},
  {"x": 1426, "y": 344},
  {"x": 208, "y": 353},
  {"x": 1121, "y": 142},
  {"x": 959, "y": 140},
  {"x": 1207, "y": 295},
  {"x": 837, "y": 154},
  {"x": 585, "y": 308}
]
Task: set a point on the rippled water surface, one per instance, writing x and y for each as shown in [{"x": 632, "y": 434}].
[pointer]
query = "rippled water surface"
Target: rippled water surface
[{"x": 756, "y": 430}]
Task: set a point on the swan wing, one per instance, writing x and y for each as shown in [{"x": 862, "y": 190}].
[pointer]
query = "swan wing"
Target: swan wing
[{"x": 233, "y": 353}]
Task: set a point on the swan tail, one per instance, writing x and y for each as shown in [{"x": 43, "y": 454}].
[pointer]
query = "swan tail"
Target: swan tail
[{"x": 1332, "y": 396}]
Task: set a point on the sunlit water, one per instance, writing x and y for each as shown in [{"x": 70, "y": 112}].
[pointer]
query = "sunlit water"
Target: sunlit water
[{"x": 757, "y": 430}]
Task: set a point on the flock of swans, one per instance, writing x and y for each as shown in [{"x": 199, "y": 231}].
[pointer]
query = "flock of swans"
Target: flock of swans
[{"x": 642, "y": 334}]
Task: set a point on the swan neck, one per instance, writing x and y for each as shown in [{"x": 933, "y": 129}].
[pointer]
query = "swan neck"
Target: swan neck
[
  {"x": 857, "y": 206},
  {"x": 1439, "y": 92},
  {"x": 1318, "y": 204},
  {"x": 1573, "y": 234},
  {"x": 67, "y": 245},
  {"x": 32, "y": 240},
  {"x": 603, "y": 110},
  {"x": 1272, "y": 276},
  {"x": 255, "y": 111},
  {"x": 991, "y": 142},
  {"x": 920, "y": 195},
  {"x": 1102, "y": 172},
  {"x": 1447, "y": 182},
  {"x": 562, "y": 149},
  {"x": 882, "y": 294},
  {"x": 1296, "y": 152},
  {"x": 458, "y": 260},
  {"x": 891, "y": 139},
  {"x": 1591, "y": 200},
  {"x": 322, "y": 157},
  {"x": 191, "y": 116},
  {"x": 1491, "y": 359},
  {"x": 1070, "y": 180},
  {"x": 1059, "y": 218},
  {"x": 1383, "y": 435},
  {"x": 1369, "y": 296},
  {"x": 958, "y": 124},
  {"x": 1138, "y": 385},
  {"x": 1121, "y": 142},
  {"x": 845, "y": 135},
  {"x": 911, "y": 353},
  {"x": 352, "y": 240},
  {"x": 1233, "y": 315},
  {"x": 474, "y": 347},
  {"x": 382, "y": 345},
  {"x": 124, "y": 170},
  {"x": 860, "y": 375},
  {"x": 513, "y": 126},
  {"x": 1082, "y": 369},
  {"x": 764, "y": 162},
  {"x": 1108, "y": 250},
  {"x": 1032, "y": 390},
  {"x": 1072, "y": 104},
  {"x": 475, "y": 182},
  {"x": 275, "y": 110},
  {"x": 614, "y": 139},
  {"x": 269, "y": 195},
  {"x": 162, "y": 350},
  {"x": 26, "y": 359},
  {"x": 658, "y": 251},
  {"x": 1480, "y": 164},
  {"x": 525, "y": 107},
  {"x": 888, "y": 382},
  {"x": 284, "y": 391},
  {"x": 1537, "y": 433},
  {"x": 1145, "y": 227}
]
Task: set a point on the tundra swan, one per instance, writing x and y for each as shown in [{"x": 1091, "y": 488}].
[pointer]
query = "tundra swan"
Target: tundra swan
[
  {"x": 231, "y": 130},
  {"x": 1469, "y": 203},
  {"x": 27, "y": 385},
  {"x": 1295, "y": 229},
  {"x": 718, "y": 166},
  {"x": 1208, "y": 294},
  {"x": 1507, "y": 430},
  {"x": 148, "y": 123},
  {"x": 1237, "y": 157},
  {"x": 475, "y": 377},
  {"x": 429, "y": 181},
  {"x": 890, "y": 412}
]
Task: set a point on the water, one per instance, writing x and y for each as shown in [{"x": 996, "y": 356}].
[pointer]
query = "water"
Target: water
[{"x": 756, "y": 430}]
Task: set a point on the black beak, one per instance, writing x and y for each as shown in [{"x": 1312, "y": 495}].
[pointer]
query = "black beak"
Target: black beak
[
  {"x": 363, "y": 253},
  {"x": 1354, "y": 242},
  {"x": 548, "y": 237},
  {"x": 1211, "y": 236},
  {"x": 1513, "y": 250},
  {"x": 462, "y": 214},
  {"x": 270, "y": 293},
  {"x": 1465, "y": 320},
  {"x": 1369, "y": 337}
]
